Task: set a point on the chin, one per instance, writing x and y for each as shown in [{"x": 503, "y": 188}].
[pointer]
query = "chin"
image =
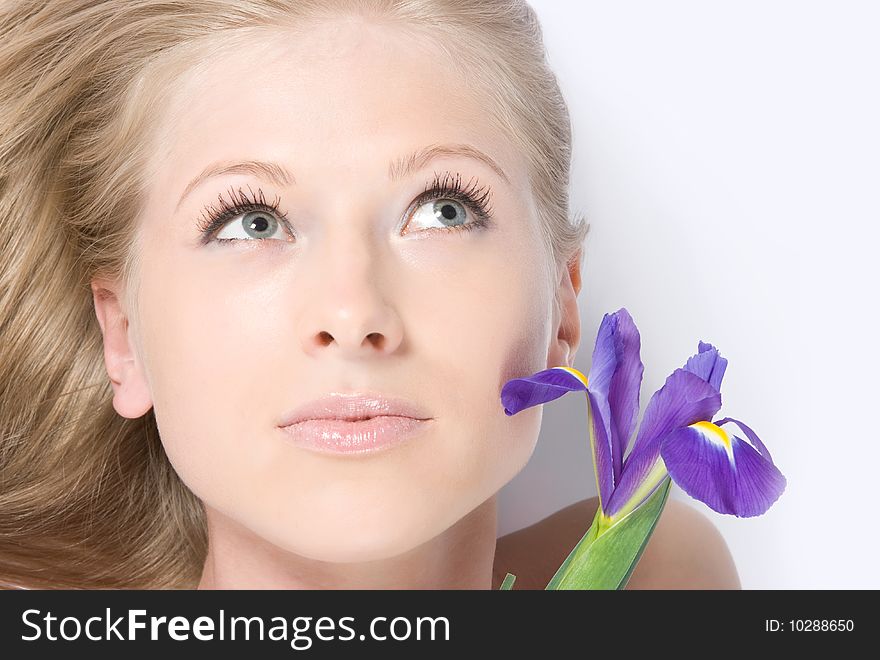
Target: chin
[{"x": 358, "y": 538}]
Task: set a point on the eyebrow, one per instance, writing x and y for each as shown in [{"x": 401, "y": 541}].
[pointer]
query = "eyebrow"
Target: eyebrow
[{"x": 397, "y": 169}]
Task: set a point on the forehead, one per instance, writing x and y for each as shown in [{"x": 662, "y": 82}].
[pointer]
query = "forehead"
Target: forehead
[{"x": 338, "y": 95}]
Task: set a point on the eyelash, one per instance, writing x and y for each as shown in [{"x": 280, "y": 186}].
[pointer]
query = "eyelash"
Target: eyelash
[{"x": 476, "y": 197}]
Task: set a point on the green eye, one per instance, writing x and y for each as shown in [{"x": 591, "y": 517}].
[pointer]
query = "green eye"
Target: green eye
[
  {"x": 254, "y": 224},
  {"x": 446, "y": 205}
]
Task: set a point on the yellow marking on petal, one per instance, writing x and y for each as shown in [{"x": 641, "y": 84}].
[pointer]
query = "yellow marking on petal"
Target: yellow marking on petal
[
  {"x": 712, "y": 429},
  {"x": 578, "y": 374},
  {"x": 715, "y": 434}
]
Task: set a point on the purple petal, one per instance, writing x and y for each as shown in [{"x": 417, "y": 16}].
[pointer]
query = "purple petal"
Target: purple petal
[
  {"x": 759, "y": 483},
  {"x": 600, "y": 445},
  {"x": 541, "y": 387},
  {"x": 615, "y": 379},
  {"x": 707, "y": 364},
  {"x": 702, "y": 464},
  {"x": 685, "y": 398},
  {"x": 602, "y": 368},
  {"x": 723, "y": 471},
  {"x": 750, "y": 434}
]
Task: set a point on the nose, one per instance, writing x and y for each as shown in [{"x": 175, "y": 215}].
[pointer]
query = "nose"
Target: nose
[{"x": 350, "y": 310}]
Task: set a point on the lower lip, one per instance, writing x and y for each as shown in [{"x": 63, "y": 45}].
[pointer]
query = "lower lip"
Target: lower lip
[{"x": 367, "y": 436}]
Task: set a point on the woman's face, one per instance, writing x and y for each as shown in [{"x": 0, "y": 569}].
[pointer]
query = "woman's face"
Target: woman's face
[{"x": 351, "y": 292}]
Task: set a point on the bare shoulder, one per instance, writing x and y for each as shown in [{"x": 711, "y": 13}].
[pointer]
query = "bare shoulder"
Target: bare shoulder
[{"x": 686, "y": 550}]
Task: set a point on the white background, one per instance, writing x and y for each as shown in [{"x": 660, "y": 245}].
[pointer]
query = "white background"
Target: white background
[{"x": 727, "y": 155}]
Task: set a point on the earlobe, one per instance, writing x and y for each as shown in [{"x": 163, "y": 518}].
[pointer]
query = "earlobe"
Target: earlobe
[{"x": 131, "y": 395}]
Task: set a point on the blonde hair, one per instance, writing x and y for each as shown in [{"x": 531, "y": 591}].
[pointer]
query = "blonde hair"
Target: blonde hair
[{"x": 88, "y": 499}]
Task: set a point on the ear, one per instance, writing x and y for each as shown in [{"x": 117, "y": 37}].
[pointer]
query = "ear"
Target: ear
[
  {"x": 131, "y": 395},
  {"x": 567, "y": 319}
]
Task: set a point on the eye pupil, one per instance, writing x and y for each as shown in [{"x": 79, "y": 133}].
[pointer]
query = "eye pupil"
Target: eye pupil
[
  {"x": 258, "y": 224},
  {"x": 447, "y": 210}
]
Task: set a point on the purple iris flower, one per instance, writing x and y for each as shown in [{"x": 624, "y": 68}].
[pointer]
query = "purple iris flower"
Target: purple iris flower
[{"x": 729, "y": 473}]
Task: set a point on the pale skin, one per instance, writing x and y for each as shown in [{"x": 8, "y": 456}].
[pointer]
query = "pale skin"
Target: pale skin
[{"x": 232, "y": 336}]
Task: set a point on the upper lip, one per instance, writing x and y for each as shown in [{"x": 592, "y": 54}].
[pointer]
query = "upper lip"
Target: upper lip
[{"x": 353, "y": 406}]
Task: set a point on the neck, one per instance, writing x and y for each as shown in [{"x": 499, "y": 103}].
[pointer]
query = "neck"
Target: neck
[{"x": 461, "y": 557}]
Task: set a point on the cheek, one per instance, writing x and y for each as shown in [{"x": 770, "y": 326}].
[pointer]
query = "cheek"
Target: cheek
[
  {"x": 494, "y": 330},
  {"x": 211, "y": 358}
]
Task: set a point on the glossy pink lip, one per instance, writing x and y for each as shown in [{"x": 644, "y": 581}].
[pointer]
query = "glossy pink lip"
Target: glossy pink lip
[
  {"x": 354, "y": 423},
  {"x": 353, "y": 407},
  {"x": 338, "y": 436}
]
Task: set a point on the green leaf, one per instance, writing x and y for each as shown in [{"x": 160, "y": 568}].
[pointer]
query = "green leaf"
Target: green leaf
[
  {"x": 606, "y": 560},
  {"x": 507, "y": 584},
  {"x": 578, "y": 551}
]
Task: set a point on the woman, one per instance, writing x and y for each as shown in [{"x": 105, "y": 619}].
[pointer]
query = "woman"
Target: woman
[{"x": 225, "y": 222}]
